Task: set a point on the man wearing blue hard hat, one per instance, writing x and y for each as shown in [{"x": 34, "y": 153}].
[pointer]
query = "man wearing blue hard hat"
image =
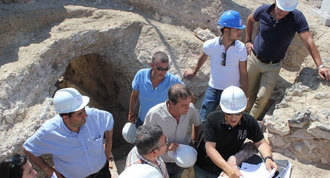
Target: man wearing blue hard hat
[
  {"x": 228, "y": 61},
  {"x": 278, "y": 24}
]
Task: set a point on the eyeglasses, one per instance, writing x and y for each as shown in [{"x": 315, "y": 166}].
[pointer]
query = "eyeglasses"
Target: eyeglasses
[
  {"x": 17, "y": 160},
  {"x": 224, "y": 55},
  {"x": 162, "y": 69}
]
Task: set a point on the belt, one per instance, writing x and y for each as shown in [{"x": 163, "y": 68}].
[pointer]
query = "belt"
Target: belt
[{"x": 263, "y": 60}]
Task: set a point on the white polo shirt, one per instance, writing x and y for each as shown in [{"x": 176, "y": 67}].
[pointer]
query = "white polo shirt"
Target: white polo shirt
[
  {"x": 174, "y": 131},
  {"x": 221, "y": 76}
]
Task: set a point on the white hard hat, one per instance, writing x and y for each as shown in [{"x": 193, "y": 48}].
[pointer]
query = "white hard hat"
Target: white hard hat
[
  {"x": 69, "y": 100},
  {"x": 129, "y": 132},
  {"x": 185, "y": 156},
  {"x": 287, "y": 5},
  {"x": 141, "y": 171},
  {"x": 233, "y": 100}
]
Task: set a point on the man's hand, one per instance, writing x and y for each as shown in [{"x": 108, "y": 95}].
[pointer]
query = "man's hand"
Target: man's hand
[
  {"x": 270, "y": 165},
  {"x": 324, "y": 73},
  {"x": 235, "y": 173},
  {"x": 249, "y": 47},
  {"x": 189, "y": 74},
  {"x": 173, "y": 146},
  {"x": 131, "y": 117}
]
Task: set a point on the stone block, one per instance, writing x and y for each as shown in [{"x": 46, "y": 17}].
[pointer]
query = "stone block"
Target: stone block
[{"x": 319, "y": 130}]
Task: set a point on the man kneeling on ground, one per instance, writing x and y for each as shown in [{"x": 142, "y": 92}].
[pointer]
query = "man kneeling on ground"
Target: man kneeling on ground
[{"x": 225, "y": 134}]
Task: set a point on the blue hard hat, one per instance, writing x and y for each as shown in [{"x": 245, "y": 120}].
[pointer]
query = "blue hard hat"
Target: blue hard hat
[{"x": 231, "y": 19}]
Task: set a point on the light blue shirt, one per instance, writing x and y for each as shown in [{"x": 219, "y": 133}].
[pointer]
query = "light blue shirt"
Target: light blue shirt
[
  {"x": 149, "y": 96},
  {"x": 75, "y": 155}
]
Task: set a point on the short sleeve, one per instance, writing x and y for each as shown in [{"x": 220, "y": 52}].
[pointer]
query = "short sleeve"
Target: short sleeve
[
  {"x": 254, "y": 132},
  {"x": 107, "y": 120},
  {"x": 210, "y": 128},
  {"x": 175, "y": 80},
  {"x": 37, "y": 144},
  {"x": 206, "y": 47},
  {"x": 258, "y": 11},
  {"x": 301, "y": 22},
  {"x": 104, "y": 118},
  {"x": 243, "y": 53},
  {"x": 195, "y": 115},
  {"x": 136, "y": 80}
]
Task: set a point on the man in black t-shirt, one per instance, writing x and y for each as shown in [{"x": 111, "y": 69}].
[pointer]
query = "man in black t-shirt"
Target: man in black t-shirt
[{"x": 224, "y": 137}]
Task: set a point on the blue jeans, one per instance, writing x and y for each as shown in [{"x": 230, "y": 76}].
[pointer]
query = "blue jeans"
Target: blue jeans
[
  {"x": 173, "y": 170},
  {"x": 201, "y": 173},
  {"x": 210, "y": 102}
]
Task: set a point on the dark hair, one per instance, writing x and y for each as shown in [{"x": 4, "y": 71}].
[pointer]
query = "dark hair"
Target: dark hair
[
  {"x": 147, "y": 138},
  {"x": 66, "y": 114},
  {"x": 13, "y": 167},
  {"x": 178, "y": 91},
  {"x": 161, "y": 56}
]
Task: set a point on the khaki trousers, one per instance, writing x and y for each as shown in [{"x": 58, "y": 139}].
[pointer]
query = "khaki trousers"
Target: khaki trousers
[{"x": 262, "y": 81}]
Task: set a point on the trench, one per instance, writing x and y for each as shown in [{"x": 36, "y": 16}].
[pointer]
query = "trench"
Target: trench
[{"x": 93, "y": 76}]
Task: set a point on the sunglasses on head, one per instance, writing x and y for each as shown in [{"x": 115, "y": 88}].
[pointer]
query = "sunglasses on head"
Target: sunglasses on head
[
  {"x": 224, "y": 55},
  {"x": 162, "y": 69}
]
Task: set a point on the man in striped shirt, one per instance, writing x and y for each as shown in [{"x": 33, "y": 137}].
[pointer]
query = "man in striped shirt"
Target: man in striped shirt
[{"x": 150, "y": 144}]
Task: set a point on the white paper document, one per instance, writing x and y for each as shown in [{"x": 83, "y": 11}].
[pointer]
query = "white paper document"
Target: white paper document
[{"x": 256, "y": 170}]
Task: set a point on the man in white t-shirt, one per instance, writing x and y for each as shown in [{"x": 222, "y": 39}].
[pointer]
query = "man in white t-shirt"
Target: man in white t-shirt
[{"x": 228, "y": 61}]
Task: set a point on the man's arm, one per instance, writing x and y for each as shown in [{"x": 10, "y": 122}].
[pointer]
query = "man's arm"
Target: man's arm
[
  {"x": 108, "y": 144},
  {"x": 243, "y": 77},
  {"x": 311, "y": 47},
  {"x": 132, "y": 106},
  {"x": 266, "y": 152},
  {"x": 218, "y": 160},
  {"x": 191, "y": 73},
  {"x": 42, "y": 164},
  {"x": 248, "y": 32}
]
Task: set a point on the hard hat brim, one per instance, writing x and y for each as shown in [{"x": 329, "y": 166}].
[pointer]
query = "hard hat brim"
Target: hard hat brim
[
  {"x": 83, "y": 104},
  {"x": 229, "y": 111},
  {"x": 279, "y": 5}
]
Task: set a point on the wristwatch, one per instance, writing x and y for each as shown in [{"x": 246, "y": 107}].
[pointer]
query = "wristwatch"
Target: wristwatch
[
  {"x": 320, "y": 66},
  {"x": 268, "y": 157}
]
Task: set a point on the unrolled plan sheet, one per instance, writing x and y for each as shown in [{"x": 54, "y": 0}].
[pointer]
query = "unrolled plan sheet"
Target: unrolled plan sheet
[{"x": 256, "y": 170}]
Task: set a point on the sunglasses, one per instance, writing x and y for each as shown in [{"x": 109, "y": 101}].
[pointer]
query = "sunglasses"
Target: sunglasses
[
  {"x": 162, "y": 69},
  {"x": 17, "y": 160},
  {"x": 224, "y": 55}
]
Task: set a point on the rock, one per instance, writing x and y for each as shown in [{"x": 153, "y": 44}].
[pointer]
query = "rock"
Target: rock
[
  {"x": 300, "y": 120},
  {"x": 204, "y": 34},
  {"x": 319, "y": 130}
]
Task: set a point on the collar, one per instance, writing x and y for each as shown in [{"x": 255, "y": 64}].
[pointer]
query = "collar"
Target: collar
[
  {"x": 271, "y": 7},
  {"x": 65, "y": 128},
  {"x": 232, "y": 44},
  {"x": 145, "y": 161},
  {"x": 229, "y": 127}
]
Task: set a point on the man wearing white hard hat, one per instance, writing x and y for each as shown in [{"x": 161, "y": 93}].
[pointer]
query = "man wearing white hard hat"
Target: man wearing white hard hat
[
  {"x": 278, "y": 24},
  {"x": 150, "y": 144},
  {"x": 223, "y": 148},
  {"x": 178, "y": 119},
  {"x": 74, "y": 138}
]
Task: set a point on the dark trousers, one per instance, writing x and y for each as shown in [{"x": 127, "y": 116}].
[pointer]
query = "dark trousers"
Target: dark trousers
[
  {"x": 174, "y": 171},
  {"x": 103, "y": 173}
]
